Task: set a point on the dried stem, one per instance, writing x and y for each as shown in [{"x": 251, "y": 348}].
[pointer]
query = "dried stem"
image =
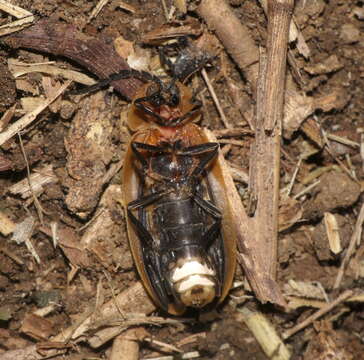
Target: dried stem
[
  {"x": 279, "y": 18},
  {"x": 258, "y": 245},
  {"x": 269, "y": 117},
  {"x": 215, "y": 99},
  {"x": 355, "y": 239},
  {"x": 345, "y": 295}
]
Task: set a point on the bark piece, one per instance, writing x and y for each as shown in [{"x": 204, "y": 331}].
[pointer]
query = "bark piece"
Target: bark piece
[{"x": 60, "y": 39}]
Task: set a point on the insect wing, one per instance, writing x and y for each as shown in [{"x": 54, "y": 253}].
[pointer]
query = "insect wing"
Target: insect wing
[{"x": 219, "y": 192}]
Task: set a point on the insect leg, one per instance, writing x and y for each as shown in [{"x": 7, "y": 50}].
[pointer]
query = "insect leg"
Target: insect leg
[
  {"x": 208, "y": 150},
  {"x": 211, "y": 234},
  {"x": 141, "y": 230},
  {"x": 122, "y": 74},
  {"x": 200, "y": 149},
  {"x": 146, "y": 200},
  {"x": 181, "y": 119},
  {"x": 165, "y": 60},
  {"x": 208, "y": 206},
  {"x": 136, "y": 146},
  {"x": 139, "y": 104}
]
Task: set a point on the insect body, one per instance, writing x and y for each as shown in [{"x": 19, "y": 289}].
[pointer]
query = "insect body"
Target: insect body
[{"x": 178, "y": 217}]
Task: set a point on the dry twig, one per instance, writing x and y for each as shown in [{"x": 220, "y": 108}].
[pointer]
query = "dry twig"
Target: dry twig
[
  {"x": 96, "y": 10},
  {"x": 354, "y": 241},
  {"x": 215, "y": 99},
  {"x": 345, "y": 295},
  {"x": 265, "y": 335},
  {"x": 25, "y": 18},
  {"x": 31, "y": 116}
]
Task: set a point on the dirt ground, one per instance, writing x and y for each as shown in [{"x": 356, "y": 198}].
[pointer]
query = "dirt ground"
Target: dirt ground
[{"x": 63, "y": 245}]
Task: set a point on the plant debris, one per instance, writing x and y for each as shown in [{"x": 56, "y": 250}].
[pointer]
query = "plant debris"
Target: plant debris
[{"x": 68, "y": 285}]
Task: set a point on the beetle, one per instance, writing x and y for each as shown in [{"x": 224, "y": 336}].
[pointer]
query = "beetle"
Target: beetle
[{"x": 178, "y": 216}]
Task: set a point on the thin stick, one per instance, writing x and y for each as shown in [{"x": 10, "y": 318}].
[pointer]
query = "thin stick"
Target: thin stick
[
  {"x": 97, "y": 9},
  {"x": 306, "y": 190},
  {"x": 165, "y": 10},
  {"x": 345, "y": 295},
  {"x": 343, "y": 140},
  {"x": 31, "y": 116},
  {"x": 294, "y": 176},
  {"x": 35, "y": 199},
  {"x": 163, "y": 345},
  {"x": 215, "y": 99},
  {"x": 355, "y": 238}
]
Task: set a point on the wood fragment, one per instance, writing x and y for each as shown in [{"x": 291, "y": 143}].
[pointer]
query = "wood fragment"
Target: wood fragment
[
  {"x": 185, "y": 356},
  {"x": 30, "y": 117},
  {"x": 7, "y": 226},
  {"x": 134, "y": 297},
  {"x": 96, "y": 10},
  {"x": 265, "y": 168},
  {"x": 14, "y": 10},
  {"x": 39, "y": 179},
  {"x": 265, "y": 334},
  {"x": 30, "y": 352},
  {"x": 25, "y": 17},
  {"x": 18, "y": 68},
  {"x": 332, "y": 231},
  {"x": 234, "y": 35},
  {"x": 125, "y": 347},
  {"x": 37, "y": 327},
  {"x": 22, "y": 234},
  {"x": 343, "y": 140},
  {"x": 344, "y": 296},
  {"x": 125, "y": 6},
  {"x": 6, "y": 117},
  {"x": 16, "y": 26}
]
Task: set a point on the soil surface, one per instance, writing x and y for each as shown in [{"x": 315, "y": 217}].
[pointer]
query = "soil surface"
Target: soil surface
[{"x": 63, "y": 243}]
